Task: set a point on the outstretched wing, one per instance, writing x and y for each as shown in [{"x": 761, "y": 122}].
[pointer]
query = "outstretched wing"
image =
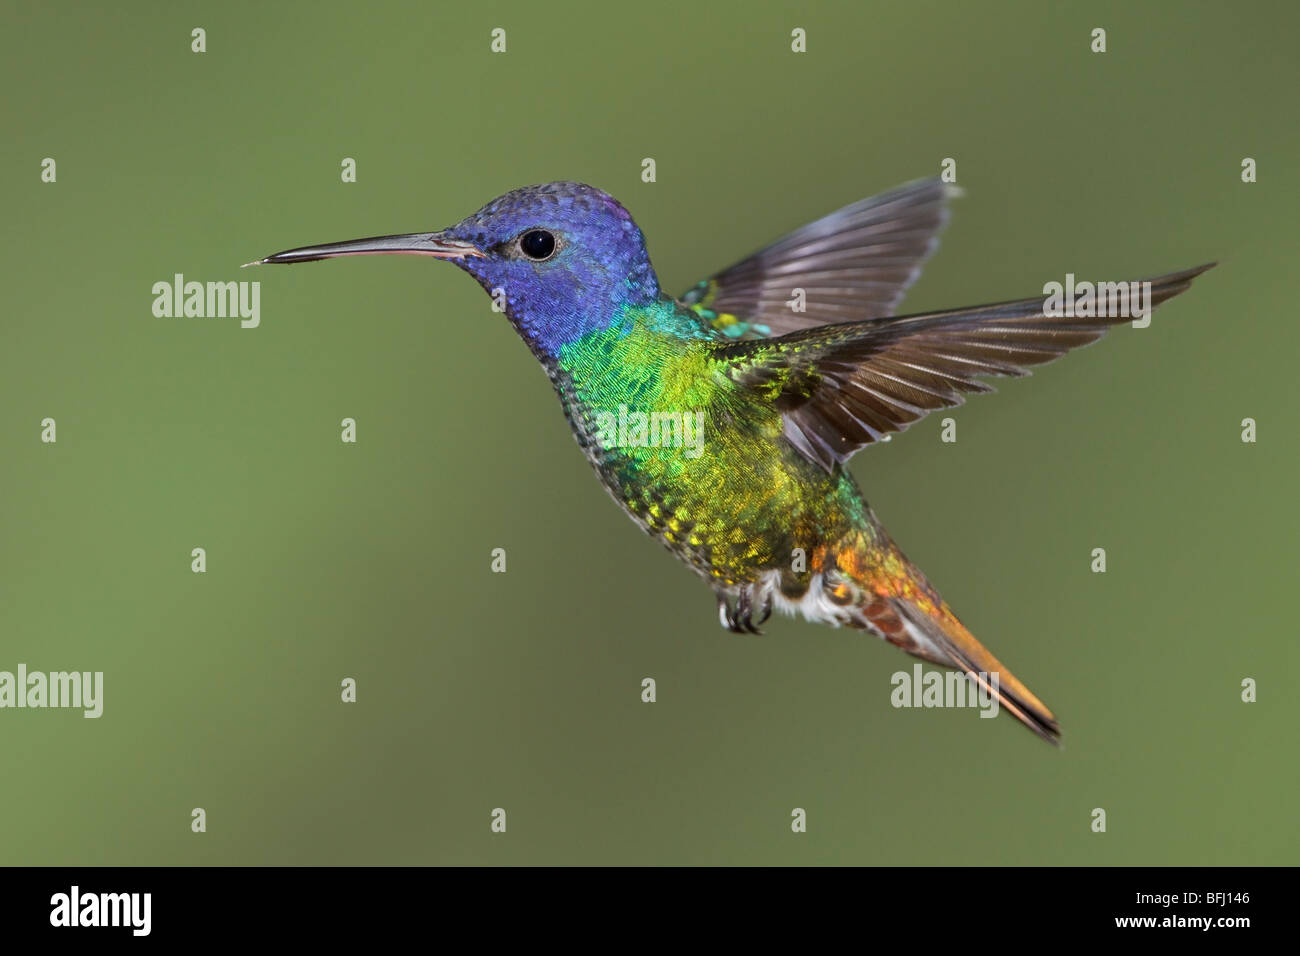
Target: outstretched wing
[
  {"x": 841, "y": 387},
  {"x": 854, "y": 264}
]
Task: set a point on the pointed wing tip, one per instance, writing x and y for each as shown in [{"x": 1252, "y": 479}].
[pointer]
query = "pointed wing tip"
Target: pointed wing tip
[
  {"x": 1184, "y": 275},
  {"x": 1165, "y": 287},
  {"x": 936, "y": 184},
  {"x": 1194, "y": 271}
]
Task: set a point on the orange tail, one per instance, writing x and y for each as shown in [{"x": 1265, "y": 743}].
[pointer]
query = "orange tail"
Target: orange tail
[{"x": 897, "y": 603}]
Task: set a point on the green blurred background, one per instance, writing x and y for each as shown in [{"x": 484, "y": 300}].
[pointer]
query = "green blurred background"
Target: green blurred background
[{"x": 522, "y": 691}]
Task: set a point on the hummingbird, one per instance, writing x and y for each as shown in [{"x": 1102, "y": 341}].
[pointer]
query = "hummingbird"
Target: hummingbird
[{"x": 793, "y": 359}]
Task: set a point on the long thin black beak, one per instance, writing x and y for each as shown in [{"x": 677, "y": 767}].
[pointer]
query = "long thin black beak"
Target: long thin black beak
[{"x": 413, "y": 244}]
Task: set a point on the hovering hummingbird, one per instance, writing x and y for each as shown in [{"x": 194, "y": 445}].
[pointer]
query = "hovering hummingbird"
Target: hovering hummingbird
[{"x": 768, "y": 514}]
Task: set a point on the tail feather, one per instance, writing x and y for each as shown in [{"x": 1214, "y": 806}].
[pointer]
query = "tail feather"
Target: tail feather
[
  {"x": 943, "y": 640},
  {"x": 893, "y": 599}
]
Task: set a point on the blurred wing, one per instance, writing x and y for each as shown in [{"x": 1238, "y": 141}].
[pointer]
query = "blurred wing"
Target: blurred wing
[
  {"x": 841, "y": 387},
  {"x": 854, "y": 264}
]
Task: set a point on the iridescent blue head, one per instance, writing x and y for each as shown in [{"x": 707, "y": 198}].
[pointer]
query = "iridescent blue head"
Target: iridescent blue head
[{"x": 564, "y": 257}]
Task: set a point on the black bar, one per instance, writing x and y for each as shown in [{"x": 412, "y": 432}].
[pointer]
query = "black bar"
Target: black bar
[{"x": 373, "y": 904}]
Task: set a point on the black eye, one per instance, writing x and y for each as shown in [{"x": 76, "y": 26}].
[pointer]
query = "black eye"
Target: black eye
[{"x": 537, "y": 244}]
